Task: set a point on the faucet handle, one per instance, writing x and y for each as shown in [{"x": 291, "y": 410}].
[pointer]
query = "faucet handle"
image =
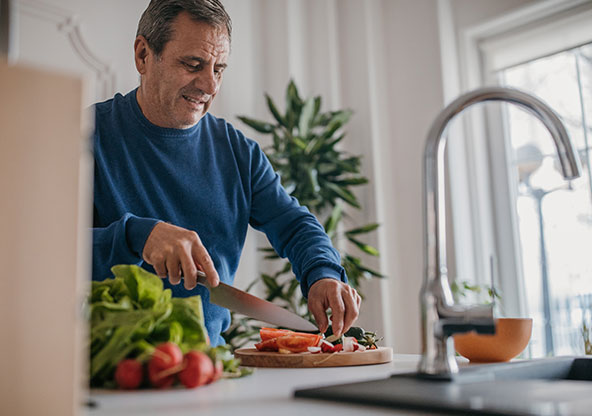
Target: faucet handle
[{"x": 481, "y": 326}]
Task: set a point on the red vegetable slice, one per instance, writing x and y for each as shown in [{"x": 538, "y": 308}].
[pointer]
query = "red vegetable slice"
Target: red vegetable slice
[
  {"x": 298, "y": 343},
  {"x": 269, "y": 345},
  {"x": 271, "y": 333}
]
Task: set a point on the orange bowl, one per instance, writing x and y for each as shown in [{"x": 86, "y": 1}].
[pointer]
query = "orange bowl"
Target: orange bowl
[{"x": 510, "y": 338}]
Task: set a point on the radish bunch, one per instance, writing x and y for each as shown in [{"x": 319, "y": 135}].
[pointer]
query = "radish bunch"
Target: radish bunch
[{"x": 168, "y": 364}]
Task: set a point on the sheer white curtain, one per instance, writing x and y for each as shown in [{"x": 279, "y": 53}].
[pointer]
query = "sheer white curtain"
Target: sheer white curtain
[{"x": 381, "y": 59}]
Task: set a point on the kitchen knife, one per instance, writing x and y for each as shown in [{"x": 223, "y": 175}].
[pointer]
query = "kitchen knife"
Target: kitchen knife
[{"x": 244, "y": 303}]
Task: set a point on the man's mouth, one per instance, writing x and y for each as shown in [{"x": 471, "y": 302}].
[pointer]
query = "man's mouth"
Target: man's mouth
[{"x": 194, "y": 101}]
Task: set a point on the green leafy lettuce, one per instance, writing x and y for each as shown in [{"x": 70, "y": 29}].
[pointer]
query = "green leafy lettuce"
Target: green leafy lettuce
[{"x": 131, "y": 313}]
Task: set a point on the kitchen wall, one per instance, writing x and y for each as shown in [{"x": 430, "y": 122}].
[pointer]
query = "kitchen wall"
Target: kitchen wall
[{"x": 381, "y": 58}]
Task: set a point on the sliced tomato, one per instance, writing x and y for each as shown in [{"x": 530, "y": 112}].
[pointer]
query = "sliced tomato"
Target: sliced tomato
[
  {"x": 298, "y": 343},
  {"x": 269, "y": 345},
  {"x": 271, "y": 333}
]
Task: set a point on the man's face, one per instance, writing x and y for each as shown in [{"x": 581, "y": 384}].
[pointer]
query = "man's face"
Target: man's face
[{"x": 178, "y": 87}]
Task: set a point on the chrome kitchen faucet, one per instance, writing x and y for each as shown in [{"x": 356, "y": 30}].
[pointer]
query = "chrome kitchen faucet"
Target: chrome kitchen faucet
[{"x": 440, "y": 317}]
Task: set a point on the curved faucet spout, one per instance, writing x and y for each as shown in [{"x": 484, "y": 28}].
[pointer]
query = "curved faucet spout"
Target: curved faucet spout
[{"x": 436, "y": 298}]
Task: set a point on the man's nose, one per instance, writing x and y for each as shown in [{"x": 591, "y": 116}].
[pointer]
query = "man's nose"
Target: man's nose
[{"x": 207, "y": 82}]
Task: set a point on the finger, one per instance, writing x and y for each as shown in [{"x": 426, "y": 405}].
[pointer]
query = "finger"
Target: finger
[
  {"x": 356, "y": 296},
  {"x": 202, "y": 258},
  {"x": 320, "y": 314},
  {"x": 337, "y": 312},
  {"x": 173, "y": 269},
  {"x": 351, "y": 310},
  {"x": 175, "y": 278},
  {"x": 160, "y": 269},
  {"x": 358, "y": 300},
  {"x": 189, "y": 269}
]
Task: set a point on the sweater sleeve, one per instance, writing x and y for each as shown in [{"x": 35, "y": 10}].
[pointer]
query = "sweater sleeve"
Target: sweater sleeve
[
  {"x": 121, "y": 242},
  {"x": 292, "y": 230}
]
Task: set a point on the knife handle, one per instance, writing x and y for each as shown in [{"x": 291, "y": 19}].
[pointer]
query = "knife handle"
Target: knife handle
[{"x": 201, "y": 278}]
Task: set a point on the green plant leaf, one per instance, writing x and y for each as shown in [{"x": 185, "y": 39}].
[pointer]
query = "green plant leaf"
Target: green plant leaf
[
  {"x": 343, "y": 193},
  {"x": 306, "y": 117},
  {"x": 299, "y": 143},
  {"x": 358, "y": 180},
  {"x": 330, "y": 144},
  {"x": 333, "y": 221},
  {"x": 363, "y": 230},
  {"x": 274, "y": 111},
  {"x": 293, "y": 101},
  {"x": 317, "y": 108},
  {"x": 364, "y": 247},
  {"x": 269, "y": 281},
  {"x": 260, "y": 126}
]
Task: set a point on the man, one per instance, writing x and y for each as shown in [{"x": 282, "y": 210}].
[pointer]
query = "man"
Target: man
[{"x": 176, "y": 188}]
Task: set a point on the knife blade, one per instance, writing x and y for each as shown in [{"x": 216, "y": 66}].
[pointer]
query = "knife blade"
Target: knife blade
[{"x": 246, "y": 304}]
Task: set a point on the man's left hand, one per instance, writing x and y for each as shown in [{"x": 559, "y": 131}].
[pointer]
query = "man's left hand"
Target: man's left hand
[{"x": 343, "y": 300}]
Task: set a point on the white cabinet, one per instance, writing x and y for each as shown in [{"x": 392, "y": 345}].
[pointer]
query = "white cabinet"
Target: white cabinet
[{"x": 45, "y": 215}]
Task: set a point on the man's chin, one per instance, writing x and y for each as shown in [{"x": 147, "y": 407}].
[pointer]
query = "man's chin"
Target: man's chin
[{"x": 190, "y": 121}]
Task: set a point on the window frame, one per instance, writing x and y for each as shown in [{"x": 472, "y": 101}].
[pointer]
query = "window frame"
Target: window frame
[{"x": 478, "y": 164}]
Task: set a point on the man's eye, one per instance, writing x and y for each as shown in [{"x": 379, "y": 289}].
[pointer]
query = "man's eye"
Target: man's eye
[{"x": 191, "y": 67}]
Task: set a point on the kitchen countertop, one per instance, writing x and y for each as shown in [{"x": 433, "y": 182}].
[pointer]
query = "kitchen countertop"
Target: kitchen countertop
[{"x": 268, "y": 391}]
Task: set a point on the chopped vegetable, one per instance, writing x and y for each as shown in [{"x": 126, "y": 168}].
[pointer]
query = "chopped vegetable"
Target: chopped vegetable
[
  {"x": 272, "y": 333},
  {"x": 297, "y": 343},
  {"x": 364, "y": 338},
  {"x": 269, "y": 345},
  {"x": 286, "y": 340}
]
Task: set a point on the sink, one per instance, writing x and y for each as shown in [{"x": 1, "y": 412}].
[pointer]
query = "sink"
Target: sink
[{"x": 550, "y": 386}]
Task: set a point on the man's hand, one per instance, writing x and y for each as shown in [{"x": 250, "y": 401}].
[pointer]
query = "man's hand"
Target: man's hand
[
  {"x": 343, "y": 300},
  {"x": 174, "y": 252}
]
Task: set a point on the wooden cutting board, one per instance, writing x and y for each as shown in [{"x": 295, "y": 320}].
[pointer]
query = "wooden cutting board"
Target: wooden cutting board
[{"x": 250, "y": 357}]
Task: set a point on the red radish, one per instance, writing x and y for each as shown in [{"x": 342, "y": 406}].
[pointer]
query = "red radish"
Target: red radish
[
  {"x": 218, "y": 371},
  {"x": 157, "y": 378},
  {"x": 167, "y": 355},
  {"x": 198, "y": 370},
  {"x": 163, "y": 365},
  {"x": 129, "y": 374}
]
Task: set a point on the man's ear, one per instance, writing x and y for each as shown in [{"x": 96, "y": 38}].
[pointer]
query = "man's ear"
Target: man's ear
[{"x": 141, "y": 52}]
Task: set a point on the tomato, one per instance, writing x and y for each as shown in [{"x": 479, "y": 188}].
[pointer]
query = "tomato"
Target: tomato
[
  {"x": 198, "y": 370},
  {"x": 298, "y": 343},
  {"x": 269, "y": 345},
  {"x": 271, "y": 333},
  {"x": 129, "y": 374}
]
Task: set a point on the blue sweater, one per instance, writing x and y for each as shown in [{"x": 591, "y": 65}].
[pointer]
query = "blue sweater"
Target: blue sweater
[{"x": 209, "y": 178}]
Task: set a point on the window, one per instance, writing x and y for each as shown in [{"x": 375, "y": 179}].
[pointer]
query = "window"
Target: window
[
  {"x": 554, "y": 217},
  {"x": 543, "y": 223}
]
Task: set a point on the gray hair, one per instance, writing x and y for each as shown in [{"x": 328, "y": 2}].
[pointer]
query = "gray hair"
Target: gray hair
[{"x": 156, "y": 21}]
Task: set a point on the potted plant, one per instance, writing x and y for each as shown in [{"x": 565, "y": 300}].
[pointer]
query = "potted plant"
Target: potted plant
[{"x": 306, "y": 154}]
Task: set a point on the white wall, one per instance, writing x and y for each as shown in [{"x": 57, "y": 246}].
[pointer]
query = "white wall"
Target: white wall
[{"x": 381, "y": 58}]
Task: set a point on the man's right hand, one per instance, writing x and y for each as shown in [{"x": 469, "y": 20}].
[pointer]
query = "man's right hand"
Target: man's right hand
[{"x": 174, "y": 252}]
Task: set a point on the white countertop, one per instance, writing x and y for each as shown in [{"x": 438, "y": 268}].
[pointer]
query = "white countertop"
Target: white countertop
[{"x": 268, "y": 391}]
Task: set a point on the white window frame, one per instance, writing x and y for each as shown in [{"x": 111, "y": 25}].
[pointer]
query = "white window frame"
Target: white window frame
[{"x": 478, "y": 165}]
